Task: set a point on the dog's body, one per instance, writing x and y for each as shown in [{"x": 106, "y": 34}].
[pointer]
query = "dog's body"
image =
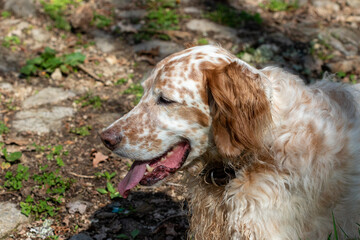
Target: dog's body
[{"x": 294, "y": 149}]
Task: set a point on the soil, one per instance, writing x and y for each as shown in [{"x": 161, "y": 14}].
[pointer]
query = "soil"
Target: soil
[{"x": 157, "y": 212}]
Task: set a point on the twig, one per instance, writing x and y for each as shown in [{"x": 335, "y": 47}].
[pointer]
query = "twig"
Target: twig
[
  {"x": 82, "y": 176},
  {"x": 90, "y": 73},
  {"x": 16, "y": 195},
  {"x": 174, "y": 184}
]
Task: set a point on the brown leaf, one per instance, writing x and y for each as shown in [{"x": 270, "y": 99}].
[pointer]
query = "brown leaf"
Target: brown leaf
[{"x": 98, "y": 158}]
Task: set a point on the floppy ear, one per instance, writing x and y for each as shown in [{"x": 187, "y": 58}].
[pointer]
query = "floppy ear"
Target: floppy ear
[{"x": 239, "y": 108}]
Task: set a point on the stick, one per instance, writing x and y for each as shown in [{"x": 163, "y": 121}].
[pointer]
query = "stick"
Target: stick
[
  {"x": 82, "y": 176},
  {"x": 90, "y": 73}
]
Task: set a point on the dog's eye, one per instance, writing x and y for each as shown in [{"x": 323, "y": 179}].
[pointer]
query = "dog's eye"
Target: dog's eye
[{"x": 164, "y": 101}]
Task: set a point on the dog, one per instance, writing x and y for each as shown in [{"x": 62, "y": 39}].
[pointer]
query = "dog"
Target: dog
[{"x": 265, "y": 156}]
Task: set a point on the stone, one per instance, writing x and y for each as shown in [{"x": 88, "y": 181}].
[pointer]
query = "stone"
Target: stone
[
  {"x": 78, "y": 206},
  {"x": 57, "y": 75},
  {"x": 81, "y": 236},
  {"x": 205, "y": 27},
  {"x": 41, "y": 120},
  {"x": 165, "y": 48},
  {"x": 40, "y": 35},
  {"x": 325, "y": 8},
  {"x": 43, "y": 232},
  {"x": 47, "y": 96},
  {"x": 132, "y": 14},
  {"x": 7, "y": 87},
  {"x": 345, "y": 65},
  {"x": 353, "y": 3},
  {"x": 192, "y": 10},
  {"x": 105, "y": 42},
  {"x": 81, "y": 17},
  {"x": 10, "y": 218},
  {"x": 343, "y": 39},
  {"x": 21, "y": 8}
]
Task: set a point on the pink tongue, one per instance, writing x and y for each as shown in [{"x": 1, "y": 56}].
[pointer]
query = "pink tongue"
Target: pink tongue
[{"x": 132, "y": 178}]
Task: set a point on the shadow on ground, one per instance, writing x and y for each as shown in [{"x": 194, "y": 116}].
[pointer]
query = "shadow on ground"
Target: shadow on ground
[{"x": 141, "y": 216}]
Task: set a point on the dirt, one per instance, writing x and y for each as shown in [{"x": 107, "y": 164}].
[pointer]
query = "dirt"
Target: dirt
[{"x": 158, "y": 212}]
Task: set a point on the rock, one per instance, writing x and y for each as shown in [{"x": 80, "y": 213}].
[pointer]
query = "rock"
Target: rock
[
  {"x": 353, "y": 3},
  {"x": 81, "y": 236},
  {"x": 56, "y": 75},
  {"x": 165, "y": 48},
  {"x": 82, "y": 16},
  {"x": 10, "y": 218},
  {"x": 343, "y": 39},
  {"x": 43, "y": 232},
  {"x": 325, "y": 8},
  {"x": 7, "y": 87},
  {"x": 345, "y": 65},
  {"x": 122, "y": 3},
  {"x": 21, "y": 8},
  {"x": 132, "y": 14},
  {"x": 41, "y": 120},
  {"x": 192, "y": 10},
  {"x": 47, "y": 95},
  {"x": 105, "y": 42},
  {"x": 205, "y": 26},
  {"x": 78, "y": 206},
  {"x": 40, "y": 35},
  {"x": 18, "y": 30},
  {"x": 8, "y": 60}
]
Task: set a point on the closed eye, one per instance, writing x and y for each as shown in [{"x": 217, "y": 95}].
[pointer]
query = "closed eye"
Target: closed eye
[{"x": 164, "y": 101}]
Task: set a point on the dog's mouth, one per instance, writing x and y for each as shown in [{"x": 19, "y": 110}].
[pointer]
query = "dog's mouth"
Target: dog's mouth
[{"x": 150, "y": 172}]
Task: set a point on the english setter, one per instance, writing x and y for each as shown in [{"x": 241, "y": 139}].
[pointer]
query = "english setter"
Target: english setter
[{"x": 266, "y": 156}]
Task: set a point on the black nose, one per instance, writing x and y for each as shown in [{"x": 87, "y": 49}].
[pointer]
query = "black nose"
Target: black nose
[{"x": 111, "y": 138}]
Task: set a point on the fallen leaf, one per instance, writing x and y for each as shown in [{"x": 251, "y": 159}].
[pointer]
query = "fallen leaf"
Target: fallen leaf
[
  {"x": 5, "y": 165},
  {"x": 17, "y": 141},
  {"x": 98, "y": 158}
]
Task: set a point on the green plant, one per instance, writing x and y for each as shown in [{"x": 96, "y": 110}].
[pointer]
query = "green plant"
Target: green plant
[
  {"x": 109, "y": 190},
  {"x": 14, "y": 182},
  {"x": 133, "y": 234},
  {"x": 11, "y": 157},
  {"x": 88, "y": 99},
  {"x": 82, "y": 131},
  {"x": 321, "y": 49},
  {"x": 10, "y": 41},
  {"x": 53, "y": 183},
  {"x": 48, "y": 62},
  {"x": 106, "y": 175},
  {"x": 101, "y": 21},
  {"x": 56, "y": 9},
  {"x": 56, "y": 153},
  {"x": 5, "y": 14},
  {"x": 122, "y": 81},
  {"x": 280, "y": 5},
  {"x": 135, "y": 89},
  {"x": 202, "y": 41},
  {"x": 3, "y": 128},
  {"x": 161, "y": 17},
  {"x": 232, "y": 18}
]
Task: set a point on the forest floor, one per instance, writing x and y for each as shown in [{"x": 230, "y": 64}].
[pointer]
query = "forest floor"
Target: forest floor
[{"x": 68, "y": 68}]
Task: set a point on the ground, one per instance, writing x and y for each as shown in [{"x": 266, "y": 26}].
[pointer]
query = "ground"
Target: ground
[{"x": 68, "y": 68}]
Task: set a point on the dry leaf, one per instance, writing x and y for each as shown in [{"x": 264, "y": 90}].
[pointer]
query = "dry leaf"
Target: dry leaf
[{"x": 98, "y": 158}]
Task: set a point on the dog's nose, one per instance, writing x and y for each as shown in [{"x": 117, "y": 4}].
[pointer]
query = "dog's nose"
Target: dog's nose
[{"x": 111, "y": 138}]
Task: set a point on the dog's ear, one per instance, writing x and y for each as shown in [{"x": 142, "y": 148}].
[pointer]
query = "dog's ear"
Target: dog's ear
[{"x": 239, "y": 108}]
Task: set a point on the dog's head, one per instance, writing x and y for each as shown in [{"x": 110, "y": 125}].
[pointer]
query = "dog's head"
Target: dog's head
[{"x": 194, "y": 99}]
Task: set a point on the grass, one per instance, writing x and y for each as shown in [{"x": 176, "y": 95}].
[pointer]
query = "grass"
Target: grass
[
  {"x": 82, "y": 131},
  {"x": 5, "y": 14},
  {"x": 48, "y": 61},
  {"x": 101, "y": 21},
  {"x": 230, "y": 17},
  {"x": 89, "y": 100},
  {"x": 202, "y": 41},
  {"x": 161, "y": 17},
  {"x": 56, "y": 10},
  {"x": 280, "y": 5},
  {"x": 3, "y": 128},
  {"x": 11, "y": 41},
  {"x": 135, "y": 89}
]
